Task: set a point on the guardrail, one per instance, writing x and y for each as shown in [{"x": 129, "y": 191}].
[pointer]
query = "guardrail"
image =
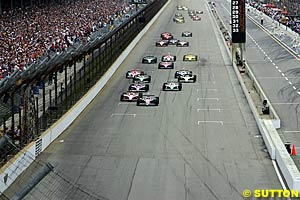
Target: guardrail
[
  {"x": 24, "y": 158},
  {"x": 267, "y": 127}
]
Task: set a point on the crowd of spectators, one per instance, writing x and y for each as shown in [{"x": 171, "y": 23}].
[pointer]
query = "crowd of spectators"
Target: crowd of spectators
[
  {"x": 30, "y": 33},
  {"x": 280, "y": 15}
]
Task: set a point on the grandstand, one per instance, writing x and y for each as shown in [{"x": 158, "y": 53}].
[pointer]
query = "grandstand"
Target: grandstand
[{"x": 37, "y": 93}]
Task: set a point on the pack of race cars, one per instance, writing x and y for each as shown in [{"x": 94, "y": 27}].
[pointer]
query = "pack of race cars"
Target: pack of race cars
[{"x": 139, "y": 88}]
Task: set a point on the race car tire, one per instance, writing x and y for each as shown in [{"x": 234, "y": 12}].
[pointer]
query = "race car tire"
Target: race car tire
[
  {"x": 157, "y": 101},
  {"x": 179, "y": 88},
  {"x": 164, "y": 87},
  {"x": 138, "y": 103},
  {"x": 149, "y": 80},
  {"x": 195, "y": 78},
  {"x": 147, "y": 88},
  {"x": 127, "y": 75}
]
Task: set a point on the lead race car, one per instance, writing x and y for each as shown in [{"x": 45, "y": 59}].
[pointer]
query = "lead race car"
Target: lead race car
[
  {"x": 138, "y": 87},
  {"x": 142, "y": 78},
  {"x": 130, "y": 96},
  {"x": 162, "y": 43},
  {"x": 132, "y": 73},
  {"x": 172, "y": 86},
  {"x": 168, "y": 58},
  {"x": 149, "y": 60},
  {"x": 148, "y": 100},
  {"x": 166, "y": 65},
  {"x": 182, "y": 44}
]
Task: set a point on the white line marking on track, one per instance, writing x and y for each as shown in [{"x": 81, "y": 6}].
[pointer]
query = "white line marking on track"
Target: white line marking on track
[
  {"x": 276, "y": 67},
  {"x": 208, "y": 109},
  {"x": 217, "y": 122},
  {"x": 294, "y": 87},
  {"x": 208, "y": 89},
  {"x": 122, "y": 114},
  {"x": 298, "y": 92},
  {"x": 284, "y": 103},
  {"x": 279, "y": 175},
  {"x": 279, "y": 70},
  {"x": 291, "y": 131},
  {"x": 216, "y": 99},
  {"x": 274, "y": 64},
  {"x": 125, "y": 103},
  {"x": 282, "y": 74},
  {"x": 286, "y": 78}
]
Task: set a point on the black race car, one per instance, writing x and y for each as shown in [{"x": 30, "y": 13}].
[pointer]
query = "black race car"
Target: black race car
[
  {"x": 182, "y": 44},
  {"x": 173, "y": 41},
  {"x": 149, "y": 60},
  {"x": 166, "y": 65},
  {"x": 188, "y": 78},
  {"x": 172, "y": 86},
  {"x": 132, "y": 73},
  {"x": 138, "y": 87},
  {"x": 148, "y": 100},
  {"x": 182, "y": 73},
  {"x": 130, "y": 96},
  {"x": 186, "y": 34},
  {"x": 162, "y": 43},
  {"x": 142, "y": 78},
  {"x": 168, "y": 58}
]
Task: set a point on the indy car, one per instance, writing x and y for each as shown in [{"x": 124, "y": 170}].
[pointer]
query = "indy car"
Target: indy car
[
  {"x": 130, "y": 96},
  {"x": 190, "y": 57},
  {"x": 184, "y": 8},
  {"x": 182, "y": 44},
  {"x": 149, "y": 60},
  {"x": 166, "y": 36},
  {"x": 182, "y": 73},
  {"x": 148, "y": 100},
  {"x": 188, "y": 78},
  {"x": 168, "y": 58},
  {"x": 172, "y": 86},
  {"x": 186, "y": 34},
  {"x": 179, "y": 20},
  {"x": 178, "y": 15},
  {"x": 132, "y": 73},
  {"x": 179, "y": 7},
  {"x": 173, "y": 41},
  {"x": 199, "y": 11},
  {"x": 162, "y": 43},
  {"x": 166, "y": 65},
  {"x": 138, "y": 87},
  {"x": 196, "y": 18},
  {"x": 142, "y": 78}
]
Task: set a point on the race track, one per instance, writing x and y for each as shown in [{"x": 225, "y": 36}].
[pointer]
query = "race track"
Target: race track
[{"x": 200, "y": 143}]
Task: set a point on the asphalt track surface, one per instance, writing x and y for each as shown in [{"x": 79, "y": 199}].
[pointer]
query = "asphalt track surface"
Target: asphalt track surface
[
  {"x": 200, "y": 143},
  {"x": 277, "y": 70}
]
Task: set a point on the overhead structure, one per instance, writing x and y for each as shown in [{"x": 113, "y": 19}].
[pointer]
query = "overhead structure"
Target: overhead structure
[{"x": 238, "y": 30}]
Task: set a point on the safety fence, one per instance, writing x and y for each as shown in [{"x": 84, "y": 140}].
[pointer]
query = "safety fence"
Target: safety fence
[{"x": 45, "y": 96}]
